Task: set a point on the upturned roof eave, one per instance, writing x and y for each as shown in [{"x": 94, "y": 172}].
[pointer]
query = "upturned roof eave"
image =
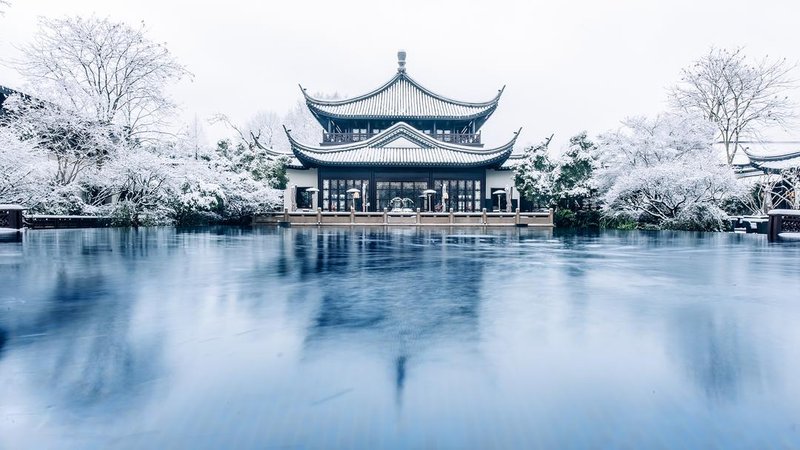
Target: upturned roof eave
[
  {"x": 767, "y": 163},
  {"x": 397, "y": 77},
  {"x": 399, "y": 128},
  {"x": 320, "y": 112},
  {"x": 777, "y": 157},
  {"x": 307, "y": 154},
  {"x": 489, "y": 163}
]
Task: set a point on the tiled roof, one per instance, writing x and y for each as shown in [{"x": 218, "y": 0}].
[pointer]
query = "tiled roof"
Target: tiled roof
[
  {"x": 401, "y": 98},
  {"x": 511, "y": 162},
  {"x": 787, "y": 158},
  {"x": 401, "y": 146}
]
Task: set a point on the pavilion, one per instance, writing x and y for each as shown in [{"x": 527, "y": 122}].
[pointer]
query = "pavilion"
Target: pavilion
[
  {"x": 776, "y": 164},
  {"x": 401, "y": 147}
]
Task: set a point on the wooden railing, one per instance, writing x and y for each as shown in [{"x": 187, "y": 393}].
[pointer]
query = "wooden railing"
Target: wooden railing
[
  {"x": 481, "y": 219},
  {"x": 783, "y": 223},
  {"x": 347, "y": 138},
  {"x": 460, "y": 138}
]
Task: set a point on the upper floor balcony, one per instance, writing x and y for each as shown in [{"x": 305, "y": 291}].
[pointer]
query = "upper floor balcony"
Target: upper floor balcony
[{"x": 452, "y": 138}]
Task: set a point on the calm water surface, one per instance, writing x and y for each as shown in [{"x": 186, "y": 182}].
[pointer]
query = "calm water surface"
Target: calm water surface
[{"x": 400, "y": 338}]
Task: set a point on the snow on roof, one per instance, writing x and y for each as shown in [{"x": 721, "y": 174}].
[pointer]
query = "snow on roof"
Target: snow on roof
[
  {"x": 772, "y": 156},
  {"x": 512, "y": 161},
  {"x": 401, "y": 98},
  {"x": 401, "y": 145}
]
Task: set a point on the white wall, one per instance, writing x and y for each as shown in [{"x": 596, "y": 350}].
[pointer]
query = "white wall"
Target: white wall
[
  {"x": 300, "y": 178},
  {"x": 500, "y": 179}
]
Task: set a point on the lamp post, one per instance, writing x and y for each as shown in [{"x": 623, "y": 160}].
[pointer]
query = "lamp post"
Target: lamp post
[
  {"x": 355, "y": 192},
  {"x": 498, "y": 193},
  {"x": 428, "y": 193}
]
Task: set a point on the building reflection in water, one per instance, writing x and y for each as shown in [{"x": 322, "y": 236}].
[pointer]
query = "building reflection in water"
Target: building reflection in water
[
  {"x": 195, "y": 335},
  {"x": 400, "y": 293}
]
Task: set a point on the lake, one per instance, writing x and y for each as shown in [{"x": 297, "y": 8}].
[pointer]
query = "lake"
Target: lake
[{"x": 376, "y": 338}]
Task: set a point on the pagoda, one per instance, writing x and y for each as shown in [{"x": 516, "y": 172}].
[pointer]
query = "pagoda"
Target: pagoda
[{"x": 400, "y": 147}]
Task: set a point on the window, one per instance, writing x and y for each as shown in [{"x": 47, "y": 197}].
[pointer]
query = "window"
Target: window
[
  {"x": 304, "y": 199},
  {"x": 460, "y": 195},
  {"x": 400, "y": 195},
  {"x": 336, "y": 198}
]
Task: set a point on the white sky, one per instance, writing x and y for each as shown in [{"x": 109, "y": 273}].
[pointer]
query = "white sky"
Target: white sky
[{"x": 568, "y": 65}]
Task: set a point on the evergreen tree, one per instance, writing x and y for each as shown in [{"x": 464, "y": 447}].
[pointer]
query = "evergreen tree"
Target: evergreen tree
[
  {"x": 533, "y": 177},
  {"x": 573, "y": 185}
]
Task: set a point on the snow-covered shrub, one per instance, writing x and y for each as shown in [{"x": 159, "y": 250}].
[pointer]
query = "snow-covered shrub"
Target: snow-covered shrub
[
  {"x": 699, "y": 217},
  {"x": 56, "y": 162},
  {"x": 194, "y": 196},
  {"x": 245, "y": 196},
  {"x": 135, "y": 184}
]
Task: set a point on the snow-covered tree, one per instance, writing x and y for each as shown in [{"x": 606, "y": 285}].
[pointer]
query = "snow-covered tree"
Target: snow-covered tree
[
  {"x": 739, "y": 95},
  {"x": 533, "y": 175},
  {"x": 664, "y": 170},
  {"x": 263, "y": 130},
  {"x": 91, "y": 141},
  {"x": 260, "y": 164},
  {"x": 573, "y": 182},
  {"x": 72, "y": 140},
  {"x": 302, "y": 124},
  {"x": 24, "y": 171},
  {"x": 109, "y": 72},
  {"x": 132, "y": 186},
  {"x": 565, "y": 182}
]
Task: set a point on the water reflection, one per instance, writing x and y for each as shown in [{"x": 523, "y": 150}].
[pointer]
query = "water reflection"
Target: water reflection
[
  {"x": 70, "y": 320},
  {"x": 396, "y": 338}
]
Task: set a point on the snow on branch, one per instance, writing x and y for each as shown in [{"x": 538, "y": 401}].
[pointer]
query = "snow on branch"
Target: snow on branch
[
  {"x": 110, "y": 72},
  {"x": 741, "y": 96}
]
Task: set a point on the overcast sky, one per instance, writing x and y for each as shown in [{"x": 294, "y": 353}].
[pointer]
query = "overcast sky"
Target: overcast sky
[{"x": 567, "y": 65}]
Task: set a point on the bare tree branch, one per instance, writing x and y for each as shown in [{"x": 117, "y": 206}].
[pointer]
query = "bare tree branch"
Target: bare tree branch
[
  {"x": 741, "y": 97},
  {"x": 108, "y": 71}
]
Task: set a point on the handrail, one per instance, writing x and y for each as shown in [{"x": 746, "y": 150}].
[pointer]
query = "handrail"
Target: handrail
[
  {"x": 455, "y": 138},
  {"x": 418, "y": 217}
]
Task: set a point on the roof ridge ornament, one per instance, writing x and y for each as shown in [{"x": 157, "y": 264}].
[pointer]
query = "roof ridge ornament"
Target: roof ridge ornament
[{"x": 401, "y": 61}]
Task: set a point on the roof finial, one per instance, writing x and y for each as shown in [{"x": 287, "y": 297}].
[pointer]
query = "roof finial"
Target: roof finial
[{"x": 401, "y": 61}]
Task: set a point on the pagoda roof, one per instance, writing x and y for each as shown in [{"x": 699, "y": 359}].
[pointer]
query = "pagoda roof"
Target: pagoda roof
[
  {"x": 787, "y": 157},
  {"x": 401, "y": 145},
  {"x": 401, "y": 98}
]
